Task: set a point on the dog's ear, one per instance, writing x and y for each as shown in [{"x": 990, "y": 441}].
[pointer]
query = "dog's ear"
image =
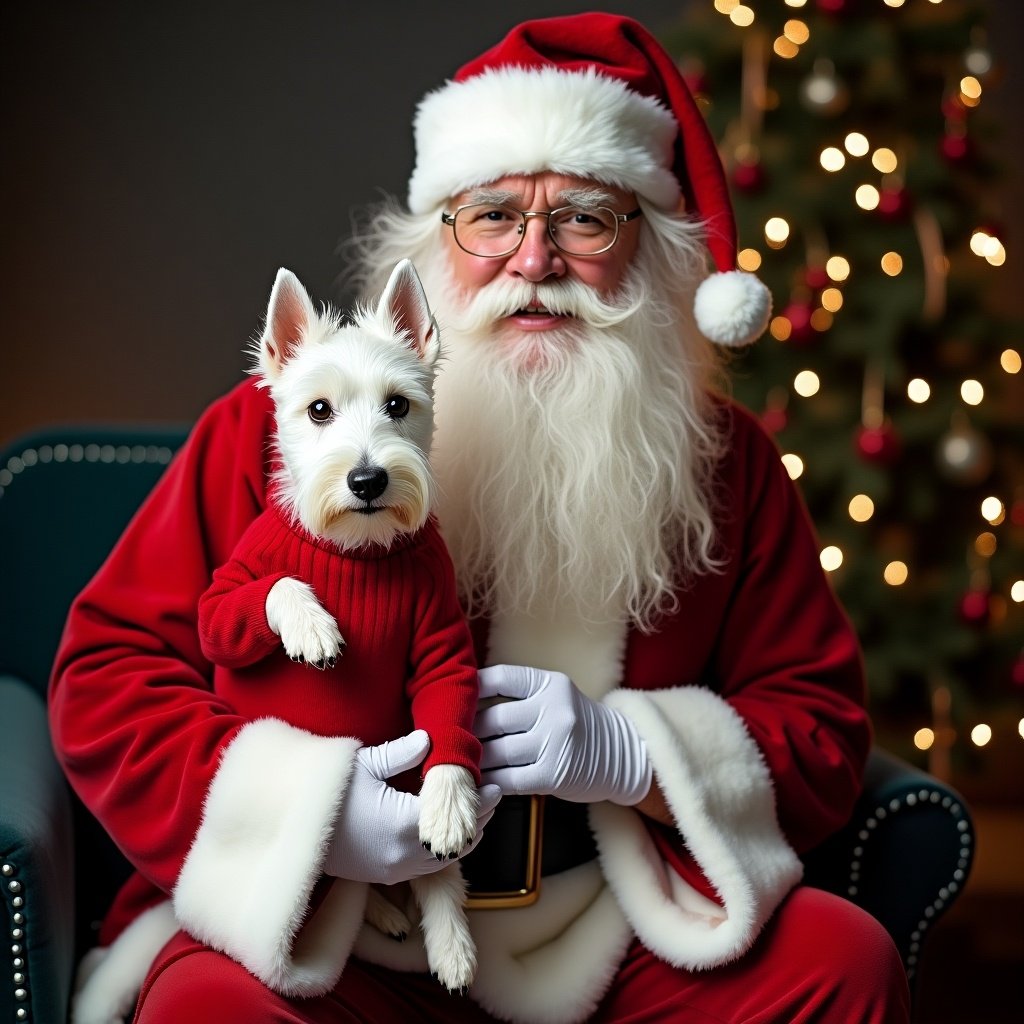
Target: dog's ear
[
  {"x": 405, "y": 303},
  {"x": 289, "y": 316}
]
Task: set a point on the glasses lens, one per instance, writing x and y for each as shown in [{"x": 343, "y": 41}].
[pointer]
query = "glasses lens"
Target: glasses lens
[
  {"x": 488, "y": 230},
  {"x": 584, "y": 232}
]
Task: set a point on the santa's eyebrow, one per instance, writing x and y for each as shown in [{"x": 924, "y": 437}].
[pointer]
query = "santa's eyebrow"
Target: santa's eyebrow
[
  {"x": 494, "y": 196},
  {"x": 585, "y": 198}
]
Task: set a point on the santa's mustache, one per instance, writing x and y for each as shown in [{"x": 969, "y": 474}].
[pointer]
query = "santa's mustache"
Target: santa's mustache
[{"x": 501, "y": 299}]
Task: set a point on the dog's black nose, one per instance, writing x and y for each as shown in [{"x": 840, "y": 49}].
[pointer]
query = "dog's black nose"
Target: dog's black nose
[{"x": 367, "y": 482}]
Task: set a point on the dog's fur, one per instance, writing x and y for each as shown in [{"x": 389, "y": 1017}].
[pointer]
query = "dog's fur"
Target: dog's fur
[{"x": 361, "y": 477}]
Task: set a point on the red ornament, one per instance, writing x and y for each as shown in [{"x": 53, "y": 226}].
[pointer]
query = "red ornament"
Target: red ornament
[
  {"x": 748, "y": 176},
  {"x": 878, "y": 444},
  {"x": 1017, "y": 513},
  {"x": 798, "y": 313},
  {"x": 816, "y": 278},
  {"x": 1017, "y": 672},
  {"x": 775, "y": 420},
  {"x": 832, "y": 6},
  {"x": 955, "y": 148},
  {"x": 894, "y": 203},
  {"x": 975, "y": 607}
]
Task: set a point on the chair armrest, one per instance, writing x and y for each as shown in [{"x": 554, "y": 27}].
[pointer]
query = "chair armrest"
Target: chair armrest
[
  {"x": 905, "y": 854},
  {"x": 36, "y": 862}
]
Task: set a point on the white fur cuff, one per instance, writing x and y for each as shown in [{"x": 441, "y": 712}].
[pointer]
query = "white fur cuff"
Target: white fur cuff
[
  {"x": 246, "y": 883},
  {"x": 720, "y": 793}
]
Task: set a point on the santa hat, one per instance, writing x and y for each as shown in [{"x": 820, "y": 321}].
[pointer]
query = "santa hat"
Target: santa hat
[{"x": 595, "y": 96}]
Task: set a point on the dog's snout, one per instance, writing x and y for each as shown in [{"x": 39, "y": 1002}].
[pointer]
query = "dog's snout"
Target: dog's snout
[{"x": 367, "y": 482}]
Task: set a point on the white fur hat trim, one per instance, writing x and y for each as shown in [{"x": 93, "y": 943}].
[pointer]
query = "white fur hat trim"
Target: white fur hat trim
[{"x": 732, "y": 308}]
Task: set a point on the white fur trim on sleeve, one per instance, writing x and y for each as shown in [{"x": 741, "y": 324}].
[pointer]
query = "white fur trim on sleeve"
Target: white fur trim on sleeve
[
  {"x": 246, "y": 883},
  {"x": 720, "y": 793}
]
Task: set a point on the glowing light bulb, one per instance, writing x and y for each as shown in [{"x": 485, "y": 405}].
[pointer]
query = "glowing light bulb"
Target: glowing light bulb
[
  {"x": 794, "y": 465},
  {"x": 748, "y": 259},
  {"x": 742, "y": 16},
  {"x": 892, "y": 264},
  {"x": 1017, "y": 592},
  {"x": 894, "y": 3},
  {"x": 856, "y": 144},
  {"x": 832, "y": 300},
  {"x": 837, "y": 268},
  {"x": 978, "y": 240},
  {"x": 981, "y": 734},
  {"x": 972, "y": 392},
  {"x": 970, "y": 87},
  {"x": 780, "y": 328},
  {"x": 831, "y": 558},
  {"x": 832, "y": 159},
  {"x": 884, "y": 160},
  {"x": 796, "y": 31},
  {"x": 919, "y": 390},
  {"x": 806, "y": 383},
  {"x": 785, "y": 48},
  {"x": 867, "y": 197},
  {"x": 1010, "y": 361},
  {"x": 993, "y": 510},
  {"x": 861, "y": 508},
  {"x": 776, "y": 231},
  {"x": 795, "y": 3},
  {"x": 821, "y": 320},
  {"x": 924, "y": 738},
  {"x": 726, "y": 6},
  {"x": 895, "y": 574},
  {"x": 985, "y": 544}
]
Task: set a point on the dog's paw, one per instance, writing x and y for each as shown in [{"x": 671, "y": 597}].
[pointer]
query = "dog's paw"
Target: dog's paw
[
  {"x": 307, "y": 630},
  {"x": 385, "y": 916},
  {"x": 449, "y": 803}
]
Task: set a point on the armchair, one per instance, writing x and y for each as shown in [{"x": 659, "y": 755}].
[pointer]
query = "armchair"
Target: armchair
[{"x": 65, "y": 496}]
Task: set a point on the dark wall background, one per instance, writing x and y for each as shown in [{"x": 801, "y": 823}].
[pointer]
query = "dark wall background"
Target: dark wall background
[{"x": 160, "y": 161}]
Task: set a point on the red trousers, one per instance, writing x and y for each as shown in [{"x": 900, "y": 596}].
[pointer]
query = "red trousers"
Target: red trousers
[{"x": 820, "y": 959}]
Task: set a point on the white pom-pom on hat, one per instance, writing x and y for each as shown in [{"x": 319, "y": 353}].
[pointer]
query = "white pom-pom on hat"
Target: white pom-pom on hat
[{"x": 732, "y": 308}]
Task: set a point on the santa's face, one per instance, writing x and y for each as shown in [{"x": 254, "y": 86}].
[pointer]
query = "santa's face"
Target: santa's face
[{"x": 538, "y": 260}]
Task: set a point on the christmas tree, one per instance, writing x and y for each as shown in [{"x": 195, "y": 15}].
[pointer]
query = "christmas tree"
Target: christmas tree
[{"x": 867, "y": 196}]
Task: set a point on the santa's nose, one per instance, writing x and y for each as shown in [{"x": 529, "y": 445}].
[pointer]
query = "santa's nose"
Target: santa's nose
[{"x": 367, "y": 482}]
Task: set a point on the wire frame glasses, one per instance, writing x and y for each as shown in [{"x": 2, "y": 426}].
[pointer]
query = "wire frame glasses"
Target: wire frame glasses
[{"x": 489, "y": 229}]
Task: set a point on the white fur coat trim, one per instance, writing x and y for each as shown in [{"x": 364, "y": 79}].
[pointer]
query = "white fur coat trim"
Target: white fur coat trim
[
  {"x": 548, "y": 963},
  {"x": 245, "y": 885},
  {"x": 524, "y": 120},
  {"x": 720, "y": 793}
]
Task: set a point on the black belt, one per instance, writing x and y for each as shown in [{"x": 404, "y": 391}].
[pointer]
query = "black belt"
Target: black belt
[{"x": 503, "y": 870}]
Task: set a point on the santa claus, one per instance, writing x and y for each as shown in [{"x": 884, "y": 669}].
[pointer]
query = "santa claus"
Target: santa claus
[{"x": 674, "y": 673}]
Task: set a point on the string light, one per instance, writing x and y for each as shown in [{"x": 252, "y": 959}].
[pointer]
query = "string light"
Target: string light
[
  {"x": 892, "y": 263},
  {"x": 742, "y": 16},
  {"x": 884, "y": 160},
  {"x": 981, "y": 734},
  {"x": 856, "y": 144},
  {"x": 861, "y": 508},
  {"x": 1020, "y": 727},
  {"x": 776, "y": 232},
  {"x": 794, "y": 465},
  {"x": 867, "y": 197},
  {"x": 1010, "y": 361},
  {"x": 895, "y": 3},
  {"x": 838, "y": 268},
  {"x": 726, "y": 6},
  {"x": 832, "y": 300},
  {"x": 806, "y": 383},
  {"x": 831, "y": 558},
  {"x": 1017, "y": 592},
  {"x": 972, "y": 392},
  {"x": 748, "y": 259},
  {"x": 785, "y": 48},
  {"x": 988, "y": 247},
  {"x": 970, "y": 88},
  {"x": 993, "y": 510},
  {"x": 896, "y": 573},
  {"x": 797, "y": 32},
  {"x": 985, "y": 544},
  {"x": 924, "y": 738},
  {"x": 832, "y": 159},
  {"x": 780, "y": 328},
  {"x": 795, "y": 3},
  {"x": 919, "y": 390}
]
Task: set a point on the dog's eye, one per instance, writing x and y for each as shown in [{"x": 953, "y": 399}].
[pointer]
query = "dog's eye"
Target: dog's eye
[
  {"x": 397, "y": 407},
  {"x": 320, "y": 411}
]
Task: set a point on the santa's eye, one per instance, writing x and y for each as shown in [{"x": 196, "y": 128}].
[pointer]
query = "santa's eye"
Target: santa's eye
[
  {"x": 397, "y": 407},
  {"x": 320, "y": 411}
]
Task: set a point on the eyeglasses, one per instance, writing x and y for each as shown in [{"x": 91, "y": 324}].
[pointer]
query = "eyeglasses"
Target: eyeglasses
[{"x": 487, "y": 229}]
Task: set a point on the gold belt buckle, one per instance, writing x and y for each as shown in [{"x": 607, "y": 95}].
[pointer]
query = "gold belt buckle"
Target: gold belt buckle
[{"x": 530, "y": 891}]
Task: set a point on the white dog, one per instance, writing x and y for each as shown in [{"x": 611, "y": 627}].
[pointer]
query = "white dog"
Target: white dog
[{"x": 354, "y": 410}]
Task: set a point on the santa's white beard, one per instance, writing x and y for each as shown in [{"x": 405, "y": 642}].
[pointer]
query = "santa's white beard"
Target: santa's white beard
[{"x": 573, "y": 465}]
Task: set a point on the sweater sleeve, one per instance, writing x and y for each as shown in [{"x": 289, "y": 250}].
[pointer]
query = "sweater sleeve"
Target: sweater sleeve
[
  {"x": 443, "y": 682},
  {"x": 233, "y": 627}
]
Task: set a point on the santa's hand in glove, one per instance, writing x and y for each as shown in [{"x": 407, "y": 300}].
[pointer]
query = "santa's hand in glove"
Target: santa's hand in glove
[{"x": 549, "y": 738}]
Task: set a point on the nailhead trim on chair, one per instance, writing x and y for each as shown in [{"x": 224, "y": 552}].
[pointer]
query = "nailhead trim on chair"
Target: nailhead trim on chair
[
  {"x": 121, "y": 454},
  {"x": 947, "y": 891},
  {"x": 17, "y": 464},
  {"x": 14, "y": 893}
]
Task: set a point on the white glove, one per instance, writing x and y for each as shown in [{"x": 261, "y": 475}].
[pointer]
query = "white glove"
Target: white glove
[
  {"x": 553, "y": 739},
  {"x": 377, "y": 834}
]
